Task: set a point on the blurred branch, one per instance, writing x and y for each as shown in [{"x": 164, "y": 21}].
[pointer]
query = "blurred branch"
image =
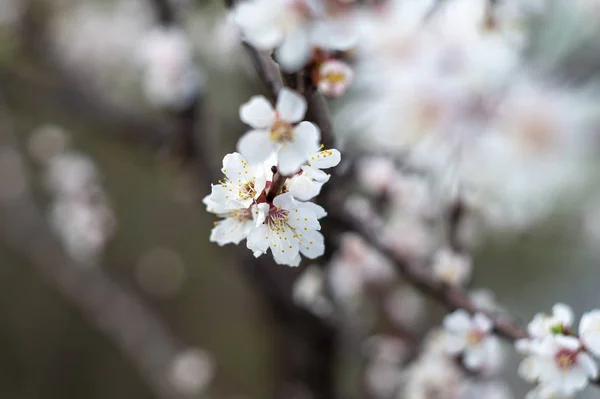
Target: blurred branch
[
  {"x": 116, "y": 310},
  {"x": 419, "y": 276}
]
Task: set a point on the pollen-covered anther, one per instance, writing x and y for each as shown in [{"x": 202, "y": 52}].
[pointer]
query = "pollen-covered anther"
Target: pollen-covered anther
[{"x": 281, "y": 131}]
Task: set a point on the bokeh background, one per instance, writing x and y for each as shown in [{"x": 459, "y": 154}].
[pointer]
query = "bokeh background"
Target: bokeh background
[{"x": 71, "y": 66}]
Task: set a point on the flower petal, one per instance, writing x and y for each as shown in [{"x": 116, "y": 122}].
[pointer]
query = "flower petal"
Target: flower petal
[
  {"x": 588, "y": 365},
  {"x": 255, "y": 146},
  {"x": 306, "y": 138},
  {"x": 563, "y": 313},
  {"x": 458, "y": 321},
  {"x": 291, "y": 106},
  {"x": 257, "y": 112},
  {"x": 257, "y": 240},
  {"x": 312, "y": 245},
  {"x": 294, "y": 51},
  {"x": 291, "y": 159},
  {"x": 325, "y": 159}
]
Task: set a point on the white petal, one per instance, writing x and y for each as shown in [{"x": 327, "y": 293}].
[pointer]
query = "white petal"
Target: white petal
[
  {"x": 529, "y": 369},
  {"x": 283, "y": 247},
  {"x": 317, "y": 209},
  {"x": 285, "y": 201},
  {"x": 563, "y": 313},
  {"x": 257, "y": 240},
  {"x": 474, "y": 358},
  {"x": 459, "y": 321},
  {"x": 589, "y": 331},
  {"x": 291, "y": 106},
  {"x": 229, "y": 231},
  {"x": 588, "y": 365},
  {"x": 325, "y": 159},
  {"x": 303, "y": 187},
  {"x": 257, "y": 112},
  {"x": 226, "y": 196},
  {"x": 315, "y": 174},
  {"x": 259, "y": 213},
  {"x": 290, "y": 159},
  {"x": 567, "y": 342},
  {"x": 482, "y": 322},
  {"x": 306, "y": 138},
  {"x": 313, "y": 244},
  {"x": 334, "y": 35},
  {"x": 303, "y": 219},
  {"x": 255, "y": 146},
  {"x": 235, "y": 168},
  {"x": 294, "y": 51},
  {"x": 454, "y": 344}
]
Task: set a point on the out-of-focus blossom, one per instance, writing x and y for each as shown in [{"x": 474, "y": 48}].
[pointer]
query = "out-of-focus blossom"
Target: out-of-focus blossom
[
  {"x": 334, "y": 78},
  {"x": 406, "y": 308},
  {"x": 79, "y": 214},
  {"x": 375, "y": 174},
  {"x": 291, "y": 28},
  {"x": 472, "y": 337},
  {"x": 308, "y": 291},
  {"x": 589, "y": 331},
  {"x": 170, "y": 78},
  {"x": 47, "y": 141},
  {"x": 192, "y": 370},
  {"x": 452, "y": 268},
  {"x": 560, "y": 365}
]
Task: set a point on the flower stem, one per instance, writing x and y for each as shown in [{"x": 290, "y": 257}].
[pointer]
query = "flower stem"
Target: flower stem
[{"x": 277, "y": 184}]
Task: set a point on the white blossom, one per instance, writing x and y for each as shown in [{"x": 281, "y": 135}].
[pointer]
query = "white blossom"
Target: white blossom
[
  {"x": 452, "y": 268},
  {"x": 289, "y": 230},
  {"x": 278, "y": 130},
  {"x": 472, "y": 337},
  {"x": 235, "y": 200},
  {"x": 170, "y": 78},
  {"x": 560, "y": 365},
  {"x": 334, "y": 78},
  {"x": 291, "y": 27}
]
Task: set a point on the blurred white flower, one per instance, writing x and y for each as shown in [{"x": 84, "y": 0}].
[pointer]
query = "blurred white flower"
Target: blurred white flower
[
  {"x": 560, "y": 365},
  {"x": 334, "y": 78},
  {"x": 472, "y": 337},
  {"x": 292, "y": 28},
  {"x": 170, "y": 78},
  {"x": 308, "y": 291},
  {"x": 452, "y": 268},
  {"x": 192, "y": 370}
]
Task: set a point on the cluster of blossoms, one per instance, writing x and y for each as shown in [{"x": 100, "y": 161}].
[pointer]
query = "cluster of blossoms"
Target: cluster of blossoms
[
  {"x": 302, "y": 33},
  {"x": 79, "y": 213},
  {"x": 264, "y": 196},
  {"x": 557, "y": 358},
  {"x": 423, "y": 70}
]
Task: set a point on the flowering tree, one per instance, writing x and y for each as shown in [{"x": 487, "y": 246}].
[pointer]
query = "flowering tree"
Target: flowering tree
[{"x": 447, "y": 126}]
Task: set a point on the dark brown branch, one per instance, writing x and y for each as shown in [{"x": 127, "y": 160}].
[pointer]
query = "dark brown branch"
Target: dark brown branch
[
  {"x": 266, "y": 71},
  {"x": 165, "y": 12},
  {"x": 276, "y": 186}
]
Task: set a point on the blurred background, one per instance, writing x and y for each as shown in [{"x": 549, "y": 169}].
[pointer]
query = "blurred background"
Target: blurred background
[{"x": 109, "y": 286}]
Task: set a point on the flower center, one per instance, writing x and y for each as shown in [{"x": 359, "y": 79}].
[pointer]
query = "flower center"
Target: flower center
[
  {"x": 334, "y": 77},
  {"x": 241, "y": 215},
  {"x": 475, "y": 336},
  {"x": 281, "y": 132},
  {"x": 565, "y": 358},
  {"x": 277, "y": 218},
  {"x": 247, "y": 191}
]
